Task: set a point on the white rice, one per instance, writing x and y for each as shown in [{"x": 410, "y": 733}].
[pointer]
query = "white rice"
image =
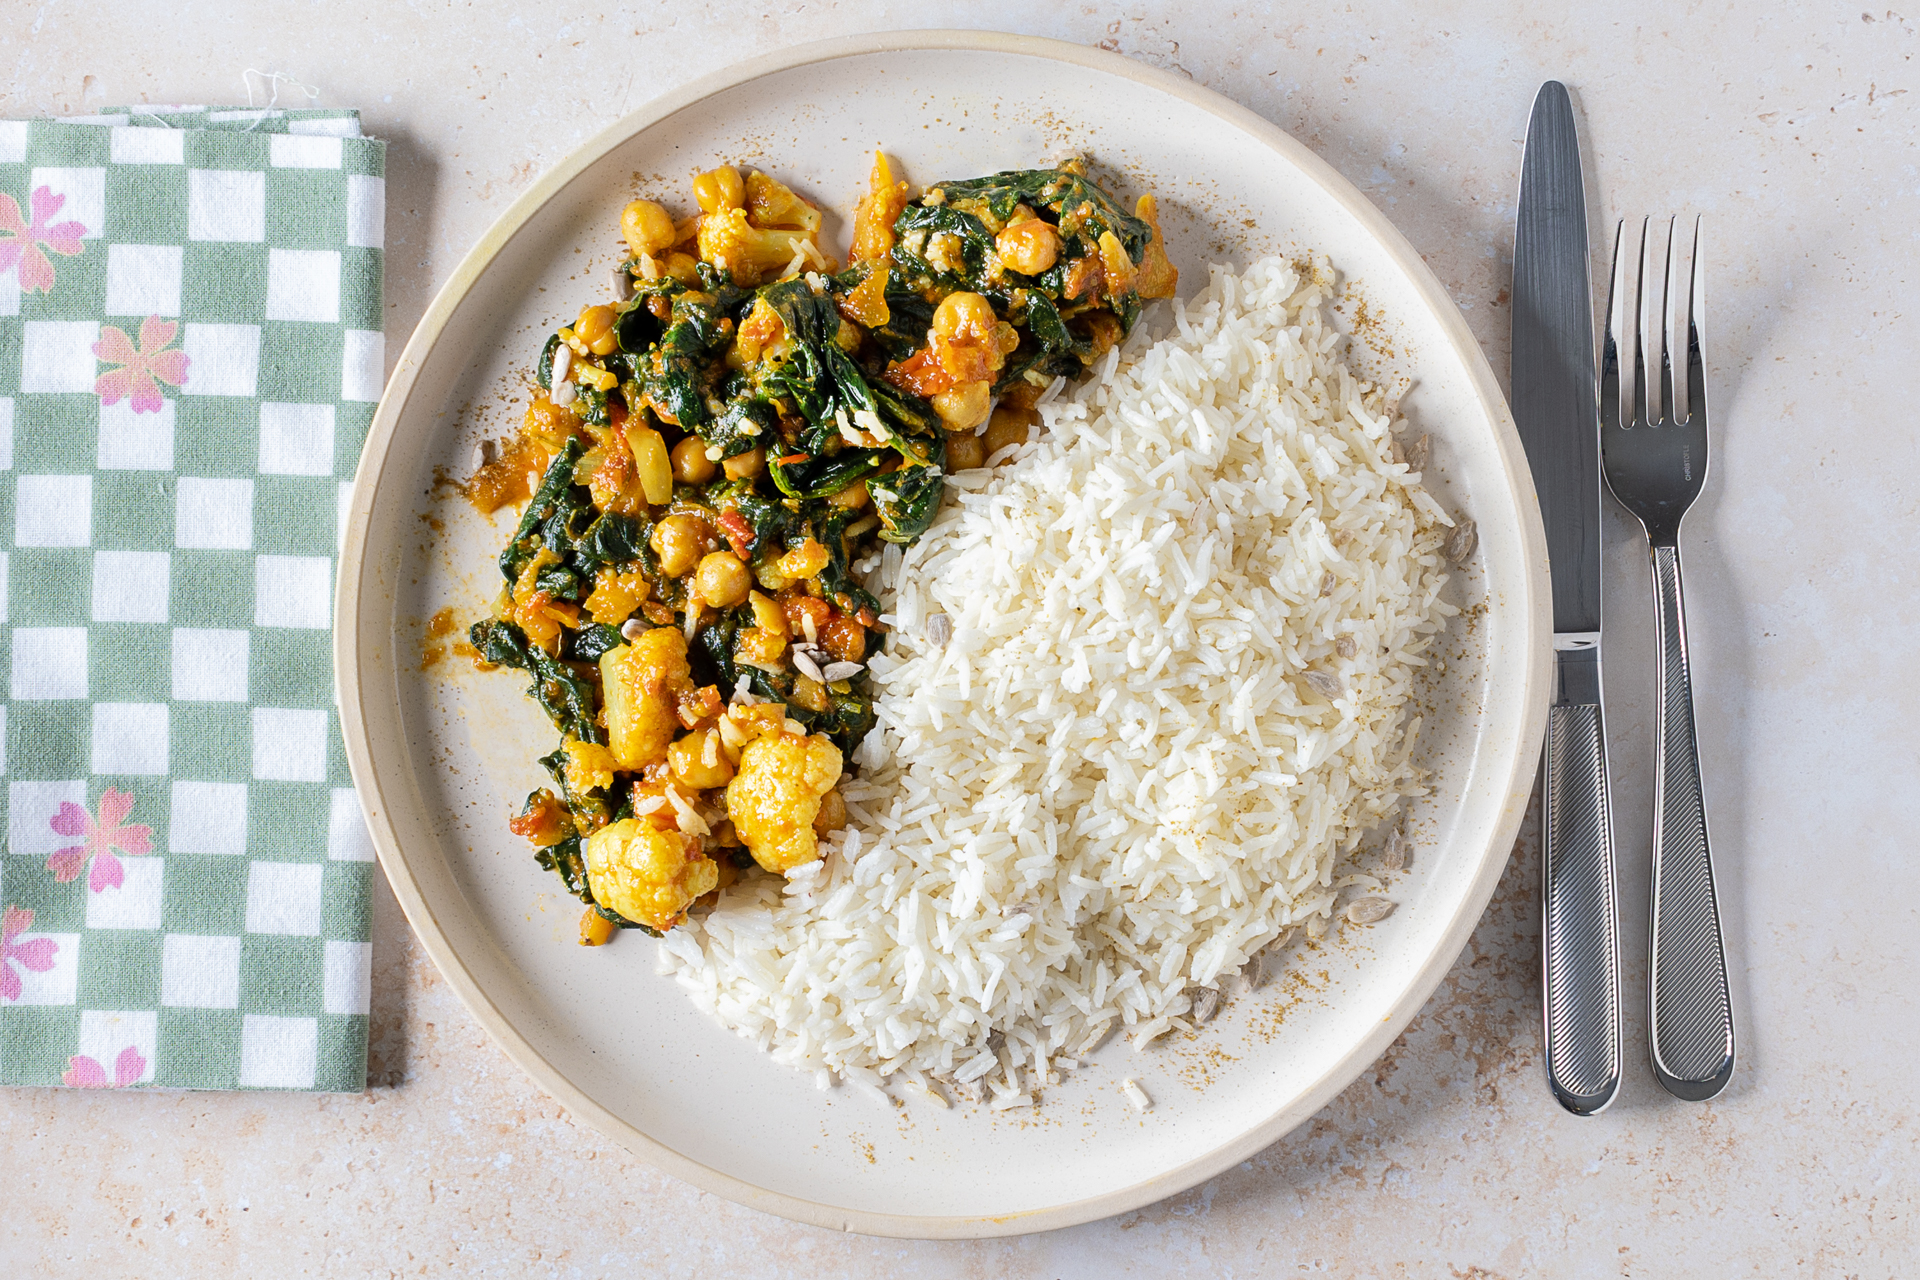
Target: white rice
[{"x": 1115, "y": 782}]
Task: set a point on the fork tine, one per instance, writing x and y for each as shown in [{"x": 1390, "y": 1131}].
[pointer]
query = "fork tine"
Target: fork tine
[
  {"x": 1696, "y": 324},
  {"x": 1616, "y": 324},
  {"x": 1640, "y": 406},
  {"x": 1670, "y": 406}
]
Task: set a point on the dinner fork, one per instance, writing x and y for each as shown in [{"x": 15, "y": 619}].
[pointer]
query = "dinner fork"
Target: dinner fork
[{"x": 1655, "y": 461}]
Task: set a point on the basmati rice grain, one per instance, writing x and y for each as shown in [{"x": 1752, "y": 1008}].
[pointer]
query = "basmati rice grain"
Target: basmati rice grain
[{"x": 1108, "y": 715}]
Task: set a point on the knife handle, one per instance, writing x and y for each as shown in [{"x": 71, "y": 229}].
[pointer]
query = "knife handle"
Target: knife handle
[
  {"x": 1692, "y": 1022},
  {"x": 1580, "y": 933}
]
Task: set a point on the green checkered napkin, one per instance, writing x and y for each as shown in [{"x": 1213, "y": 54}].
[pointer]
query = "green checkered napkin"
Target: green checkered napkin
[{"x": 190, "y": 352}]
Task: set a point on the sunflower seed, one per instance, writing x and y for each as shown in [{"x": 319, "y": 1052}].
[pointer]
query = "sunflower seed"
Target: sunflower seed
[
  {"x": 1420, "y": 453},
  {"x": 939, "y": 630},
  {"x": 1021, "y": 909},
  {"x": 803, "y": 662},
  {"x": 622, "y": 284},
  {"x": 1206, "y": 1003},
  {"x": 835, "y": 671},
  {"x": 1368, "y": 910},
  {"x": 1396, "y": 453},
  {"x": 1325, "y": 685},
  {"x": 631, "y": 629},
  {"x": 1393, "y": 855},
  {"x": 1326, "y": 583},
  {"x": 1344, "y": 646},
  {"x": 1254, "y": 974},
  {"x": 1461, "y": 542}
]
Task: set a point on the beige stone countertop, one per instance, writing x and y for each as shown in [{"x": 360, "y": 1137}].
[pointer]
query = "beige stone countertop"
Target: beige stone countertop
[{"x": 1792, "y": 128}]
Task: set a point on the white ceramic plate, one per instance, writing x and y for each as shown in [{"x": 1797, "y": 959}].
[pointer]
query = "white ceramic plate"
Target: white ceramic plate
[{"x": 441, "y": 753}]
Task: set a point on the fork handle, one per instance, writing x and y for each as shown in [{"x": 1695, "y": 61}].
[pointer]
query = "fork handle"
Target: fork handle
[
  {"x": 1580, "y": 933},
  {"x": 1692, "y": 1013}
]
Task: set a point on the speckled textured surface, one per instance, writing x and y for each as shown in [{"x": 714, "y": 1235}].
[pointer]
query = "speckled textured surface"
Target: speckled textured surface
[{"x": 1795, "y": 136}]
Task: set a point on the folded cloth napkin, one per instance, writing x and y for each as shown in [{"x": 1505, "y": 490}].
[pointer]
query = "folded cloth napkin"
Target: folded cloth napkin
[{"x": 190, "y": 352}]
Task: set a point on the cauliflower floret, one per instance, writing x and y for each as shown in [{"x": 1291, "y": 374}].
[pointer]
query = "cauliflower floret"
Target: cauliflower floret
[
  {"x": 772, "y": 203},
  {"x": 640, "y": 684},
  {"x": 752, "y": 253},
  {"x": 775, "y": 797},
  {"x": 589, "y": 766},
  {"x": 648, "y": 874}
]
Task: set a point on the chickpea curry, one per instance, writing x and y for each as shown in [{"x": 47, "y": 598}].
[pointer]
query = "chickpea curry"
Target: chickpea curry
[{"x": 710, "y": 466}]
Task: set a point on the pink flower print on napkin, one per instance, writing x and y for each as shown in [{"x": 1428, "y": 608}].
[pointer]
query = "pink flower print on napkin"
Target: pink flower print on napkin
[
  {"x": 138, "y": 369},
  {"x": 22, "y": 243},
  {"x": 84, "y": 1073},
  {"x": 100, "y": 840},
  {"x": 36, "y": 955}
]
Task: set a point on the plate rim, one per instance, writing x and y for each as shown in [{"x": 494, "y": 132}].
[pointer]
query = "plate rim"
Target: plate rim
[{"x": 352, "y": 685}]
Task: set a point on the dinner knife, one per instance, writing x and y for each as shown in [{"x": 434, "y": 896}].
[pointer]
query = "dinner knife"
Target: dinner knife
[{"x": 1556, "y": 407}]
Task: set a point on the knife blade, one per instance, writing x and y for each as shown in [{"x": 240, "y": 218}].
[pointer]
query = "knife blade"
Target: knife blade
[{"x": 1555, "y": 405}]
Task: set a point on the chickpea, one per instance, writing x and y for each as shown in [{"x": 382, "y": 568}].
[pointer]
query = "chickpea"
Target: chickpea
[
  {"x": 679, "y": 541},
  {"x": 844, "y": 638},
  {"x": 1028, "y": 247},
  {"x": 595, "y": 328},
  {"x": 687, "y": 760},
  {"x": 833, "y": 813},
  {"x": 690, "y": 462},
  {"x": 967, "y": 317},
  {"x": 745, "y": 466},
  {"x": 965, "y": 406},
  {"x": 851, "y": 498},
  {"x": 965, "y": 450},
  {"x": 1009, "y": 426},
  {"x": 647, "y": 227},
  {"x": 722, "y": 580},
  {"x": 719, "y": 189}
]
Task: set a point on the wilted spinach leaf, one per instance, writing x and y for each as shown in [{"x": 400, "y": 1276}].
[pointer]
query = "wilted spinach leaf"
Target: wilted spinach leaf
[
  {"x": 613, "y": 539},
  {"x": 566, "y": 697},
  {"x": 551, "y": 499},
  {"x": 594, "y": 639},
  {"x": 567, "y": 861},
  {"x": 907, "y": 501}
]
